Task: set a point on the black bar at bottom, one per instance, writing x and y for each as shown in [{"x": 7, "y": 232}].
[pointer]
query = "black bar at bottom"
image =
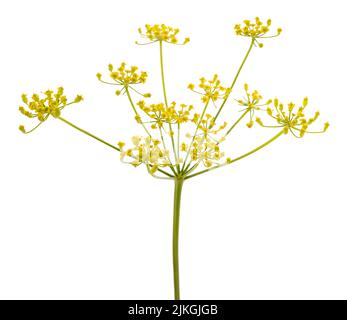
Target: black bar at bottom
[{"x": 167, "y": 309}]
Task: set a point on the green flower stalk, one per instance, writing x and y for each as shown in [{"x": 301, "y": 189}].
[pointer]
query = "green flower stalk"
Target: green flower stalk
[{"x": 180, "y": 141}]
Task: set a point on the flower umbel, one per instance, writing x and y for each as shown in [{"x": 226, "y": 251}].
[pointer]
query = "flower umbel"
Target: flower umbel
[
  {"x": 173, "y": 128},
  {"x": 41, "y": 107},
  {"x": 178, "y": 141},
  {"x": 205, "y": 150},
  {"x": 160, "y": 113},
  {"x": 292, "y": 118},
  {"x": 125, "y": 77},
  {"x": 255, "y": 30},
  {"x": 210, "y": 89},
  {"x": 161, "y": 32},
  {"x": 145, "y": 150},
  {"x": 252, "y": 103}
]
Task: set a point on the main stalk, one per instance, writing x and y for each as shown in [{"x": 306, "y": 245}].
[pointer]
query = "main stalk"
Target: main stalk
[{"x": 175, "y": 235}]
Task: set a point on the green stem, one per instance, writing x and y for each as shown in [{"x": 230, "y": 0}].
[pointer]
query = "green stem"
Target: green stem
[
  {"x": 102, "y": 141},
  {"x": 238, "y": 158},
  {"x": 133, "y": 106},
  {"x": 196, "y": 131},
  {"x": 178, "y": 145},
  {"x": 88, "y": 133},
  {"x": 234, "y": 81},
  {"x": 162, "y": 71},
  {"x": 164, "y": 146},
  {"x": 236, "y": 122},
  {"x": 166, "y": 102},
  {"x": 175, "y": 235}
]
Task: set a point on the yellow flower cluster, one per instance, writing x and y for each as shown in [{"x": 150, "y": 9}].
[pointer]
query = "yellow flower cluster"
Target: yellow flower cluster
[
  {"x": 207, "y": 124},
  {"x": 49, "y": 103},
  {"x": 211, "y": 89},
  {"x": 160, "y": 113},
  {"x": 252, "y": 102},
  {"x": 161, "y": 32},
  {"x": 199, "y": 139},
  {"x": 145, "y": 150},
  {"x": 125, "y": 76},
  {"x": 204, "y": 150},
  {"x": 255, "y": 30},
  {"x": 292, "y": 118}
]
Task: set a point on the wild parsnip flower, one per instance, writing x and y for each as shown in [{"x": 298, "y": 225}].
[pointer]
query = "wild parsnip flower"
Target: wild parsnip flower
[
  {"x": 182, "y": 113},
  {"x": 255, "y": 30},
  {"x": 182, "y": 142},
  {"x": 160, "y": 113},
  {"x": 125, "y": 76},
  {"x": 204, "y": 144},
  {"x": 210, "y": 89},
  {"x": 145, "y": 150},
  {"x": 292, "y": 118},
  {"x": 252, "y": 103},
  {"x": 41, "y": 107},
  {"x": 207, "y": 125},
  {"x": 161, "y": 32},
  {"x": 204, "y": 150}
]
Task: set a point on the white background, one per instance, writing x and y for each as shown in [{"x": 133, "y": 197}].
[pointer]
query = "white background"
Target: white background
[{"x": 75, "y": 223}]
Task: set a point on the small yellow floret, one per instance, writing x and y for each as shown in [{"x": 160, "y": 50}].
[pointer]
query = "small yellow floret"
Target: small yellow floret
[{"x": 162, "y": 33}]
